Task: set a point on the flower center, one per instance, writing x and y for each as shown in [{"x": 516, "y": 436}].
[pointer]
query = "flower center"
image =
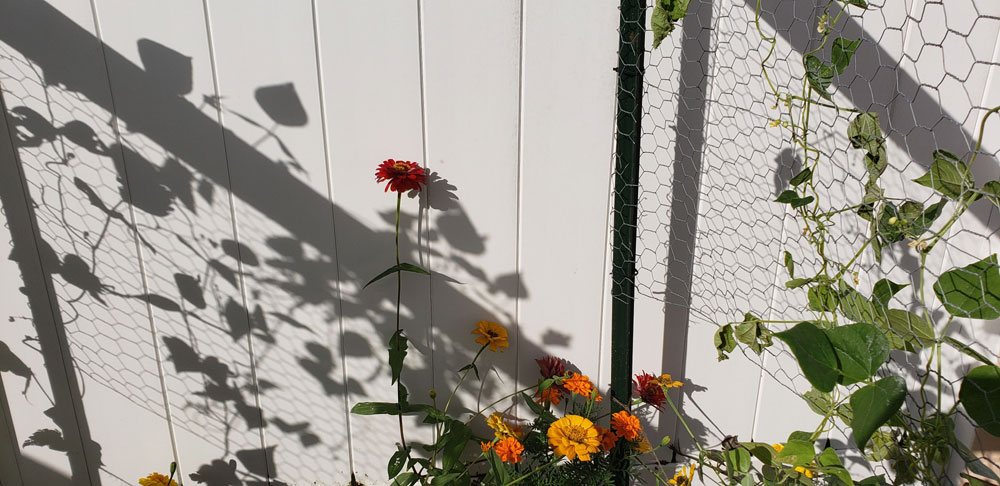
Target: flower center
[
  {"x": 576, "y": 434},
  {"x": 492, "y": 334},
  {"x": 401, "y": 167}
]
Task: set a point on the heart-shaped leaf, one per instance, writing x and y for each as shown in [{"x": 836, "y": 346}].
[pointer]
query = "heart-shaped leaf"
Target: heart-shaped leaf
[
  {"x": 980, "y": 395},
  {"x": 971, "y": 291},
  {"x": 874, "y": 405},
  {"x": 860, "y": 348},
  {"x": 815, "y": 354}
]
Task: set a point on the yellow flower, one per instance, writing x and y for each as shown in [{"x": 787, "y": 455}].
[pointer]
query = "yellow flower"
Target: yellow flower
[
  {"x": 684, "y": 476},
  {"x": 806, "y": 472},
  {"x": 643, "y": 446},
  {"x": 157, "y": 479},
  {"x": 626, "y": 425},
  {"x": 501, "y": 429},
  {"x": 509, "y": 450},
  {"x": 492, "y": 334},
  {"x": 574, "y": 436},
  {"x": 666, "y": 382}
]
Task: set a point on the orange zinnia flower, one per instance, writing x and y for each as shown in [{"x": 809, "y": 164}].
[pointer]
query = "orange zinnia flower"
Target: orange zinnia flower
[
  {"x": 401, "y": 176},
  {"x": 485, "y": 446},
  {"x": 579, "y": 384},
  {"x": 509, "y": 450},
  {"x": 626, "y": 425},
  {"x": 550, "y": 394}
]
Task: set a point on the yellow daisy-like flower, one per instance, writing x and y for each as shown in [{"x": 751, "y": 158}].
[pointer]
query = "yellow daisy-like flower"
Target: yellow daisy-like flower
[
  {"x": 684, "y": 476},
  {"x": 667, "y": 382},
  {"x": 626, "y": 425},
  {"x": 491, "y": 334},
  {"x": 501, "y": 429},
  {"x": 574, "y": 436},
  {"x": 643, "y": 446},
  {"x": 157, "y": 479},
  {"x": 805, "y": 472}
]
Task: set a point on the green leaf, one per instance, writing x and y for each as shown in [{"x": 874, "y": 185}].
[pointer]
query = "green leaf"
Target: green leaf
[
  {"x": 397, "y": 351},
  {"x": 787, "y": 196},
  {"x": 822, "y": 298},
  {"x": 402, "y": 267},
  {"x": 992, "y": 192},
  {"x": 500, "y": 473},
  {"x": 911, "y": 328},
  {"x": 798, "y": 203},
  {"x": 842, "y": 51},
  {"x": 973, "y": 462},
  {"x": 831, "y": 465},
  {"x": 762, "y": 451},
  {"x": 470, "y": 366},
  {"x": 538, "y": 409},
  {"x": 819, "y": 402},
  {"x": 796, "y": 453},
  {"x": 874, "y": 405},
  {"x": 972, "y": 291},
  {"x": 980, "y": 395},
  {"x": 967, "y": 350},
  {"x": 974, "y": 481},
  {"x": 873, "y": 481},
  {"x": 397, "y": 461},
  {"x": 457, "y": 435},
  {"x": 884, "y": 290},
  {"x": 789, "y": 264},
  {"x": 922, "y": 223},
  {"x": 802, "y": 176},
  {"x": 857, "y": 3},
  {"x": 860, "y": 348},
  {"x": 738, "y": 460},
  {"x": 724, "y": 341},
  {"x": 947, "y": 175},
  {"x": 666, "y": 14},
  {"x": 855, "y": 306},
  {"x": 402, "y": 396},
  {"x": 375, "y": 408},
  {"x": 405, "y": 479},
  {"x": 797, "y": 282},
  {"x": 444, "y": 479},
  {"x": 819, "y": 74},
  {"x": 815, "y": 354},
  {"x": 864, "y": 132},
  {"x": 752, "y": 333}
]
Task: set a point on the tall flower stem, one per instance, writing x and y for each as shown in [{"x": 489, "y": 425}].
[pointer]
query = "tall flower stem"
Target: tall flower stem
[{"x": 399, "y": 293}]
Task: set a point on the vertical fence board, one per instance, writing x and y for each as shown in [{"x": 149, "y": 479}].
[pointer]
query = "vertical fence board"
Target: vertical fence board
[
  {"x": 371, "y": 79},
  {"x": 567, "y": 136},
  {"x": 57, "y": 93},
  {"x": 175, "y": 161},
  {"x": 270, "y": 100},
  {"x": 471, "y": 102}
]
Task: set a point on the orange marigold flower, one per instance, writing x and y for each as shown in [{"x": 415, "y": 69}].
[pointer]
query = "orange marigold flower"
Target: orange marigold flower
[
  {"x": 491, "y": 334},
  {"x": 550, "y": 394},
  {"x": 550, "y": 366},
  {"x": 509, "y": 450},
  {"x": 157, "y": 479},
  {"x": 400, "y": 176},
  {"x": 608, "y": 438},
  {"x": 649, "y": 390},
  {"x": 626, "y": 425},
  {"x": 574, "y": 436},
  {"x": 579, "y": 384},
  {"x": 485, "y": 446}
]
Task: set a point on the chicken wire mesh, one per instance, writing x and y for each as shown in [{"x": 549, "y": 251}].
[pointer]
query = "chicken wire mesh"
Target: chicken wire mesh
[{"x": 718, "y": 147}]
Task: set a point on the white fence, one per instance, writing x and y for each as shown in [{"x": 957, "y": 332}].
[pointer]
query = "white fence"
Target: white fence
[{"x": 189, "y": 192}]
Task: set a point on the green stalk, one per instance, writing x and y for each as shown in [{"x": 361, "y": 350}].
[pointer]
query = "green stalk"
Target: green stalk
[{"x": 399, "y": 294}]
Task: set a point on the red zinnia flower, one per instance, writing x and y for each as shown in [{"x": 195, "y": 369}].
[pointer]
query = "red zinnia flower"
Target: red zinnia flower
[
  {"x": 649, "y": 389},
  {"x": 550, "y": 366},
  {"x": 401, "y": 175}
]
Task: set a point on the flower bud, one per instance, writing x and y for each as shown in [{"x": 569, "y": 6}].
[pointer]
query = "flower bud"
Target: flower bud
[
  {"x": 893, "y": 220},
  {"x": 433, "y": 394}
]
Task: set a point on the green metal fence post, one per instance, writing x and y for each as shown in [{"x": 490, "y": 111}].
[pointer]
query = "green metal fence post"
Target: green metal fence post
[{"x": 630, "y": 68}]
